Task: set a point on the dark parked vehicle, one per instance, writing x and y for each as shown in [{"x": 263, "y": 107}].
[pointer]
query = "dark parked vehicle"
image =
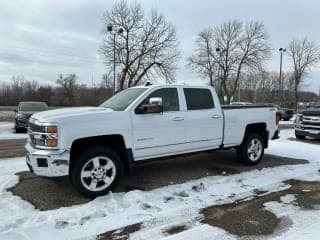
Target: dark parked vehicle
[
  {"x": 307, "y": 122},
  {"x": 285, "y": 113},
  {"x": 24, "y": 112}
]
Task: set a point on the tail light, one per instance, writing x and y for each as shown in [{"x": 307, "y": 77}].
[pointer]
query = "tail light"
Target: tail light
[{"x": 278, "y": 116}]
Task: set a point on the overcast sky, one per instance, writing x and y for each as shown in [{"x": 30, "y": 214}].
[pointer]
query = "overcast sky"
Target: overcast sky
[{"x": 42, "y": 38}]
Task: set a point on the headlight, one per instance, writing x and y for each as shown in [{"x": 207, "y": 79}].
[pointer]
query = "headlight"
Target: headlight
[
  {"x": 43, "y": 136},
  {"x": 51, "y": 142},
  {"x": 20, "y": 116},
  {"x": 51, "y": 129}
]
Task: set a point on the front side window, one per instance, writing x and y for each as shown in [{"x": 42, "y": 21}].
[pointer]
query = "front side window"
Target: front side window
[
  {"x": 123, "y": 99},
  {"x": 170, "y": 99},
  {"x": 198, "y": 98}
]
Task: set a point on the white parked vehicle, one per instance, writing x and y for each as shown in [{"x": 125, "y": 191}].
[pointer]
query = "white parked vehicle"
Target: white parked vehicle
[{"x": 93, "y": 145}]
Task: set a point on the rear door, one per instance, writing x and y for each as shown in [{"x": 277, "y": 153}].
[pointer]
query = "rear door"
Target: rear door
[
  {"x": 159, "y": 134},
  {"x": 204, "y": 120}
]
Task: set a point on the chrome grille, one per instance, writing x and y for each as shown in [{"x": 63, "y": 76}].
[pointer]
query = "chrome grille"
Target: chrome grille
[
  {"x": 311, "y": 120},
  {"x": 35, "y": 128}
]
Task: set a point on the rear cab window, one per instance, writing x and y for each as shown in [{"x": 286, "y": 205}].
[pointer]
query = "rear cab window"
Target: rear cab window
[{"x": 198, "y": 98}]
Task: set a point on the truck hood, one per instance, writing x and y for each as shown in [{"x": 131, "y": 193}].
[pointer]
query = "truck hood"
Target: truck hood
[
  {"x": 56, "y": 115},
  {"x": 311, "y": 112}
]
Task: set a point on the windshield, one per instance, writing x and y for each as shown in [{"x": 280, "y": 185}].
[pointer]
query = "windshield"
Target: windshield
[
  {"x": 32, "y": 107},
  {"x": 123, "y": 99}
]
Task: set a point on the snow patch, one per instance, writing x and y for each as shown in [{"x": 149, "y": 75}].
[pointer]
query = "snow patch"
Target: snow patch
[
  {"x": 156, "y": 209},
  {"x": 7, "y": 131}
]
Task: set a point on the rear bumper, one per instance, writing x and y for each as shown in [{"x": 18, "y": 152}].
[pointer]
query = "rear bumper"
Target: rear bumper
[{"x": 48, "y": 163}]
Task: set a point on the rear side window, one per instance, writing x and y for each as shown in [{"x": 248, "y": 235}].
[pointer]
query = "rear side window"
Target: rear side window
[{"x": 198, "y": 98}]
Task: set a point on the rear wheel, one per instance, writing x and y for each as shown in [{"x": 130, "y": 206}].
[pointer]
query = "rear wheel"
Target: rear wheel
[
  {"x": 251, "y": 150},
  {"x": 96, "y": 171},
  {"x": 299, "y": 136}
]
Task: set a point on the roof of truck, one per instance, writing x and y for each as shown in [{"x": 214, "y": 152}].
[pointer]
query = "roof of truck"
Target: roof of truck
[{"x": 172, "y": 85}]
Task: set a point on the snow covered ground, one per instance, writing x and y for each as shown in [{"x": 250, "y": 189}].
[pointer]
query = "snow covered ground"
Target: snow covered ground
[
  {"x": 166, "y": 206},
  {"x": 7, "y": 131}
]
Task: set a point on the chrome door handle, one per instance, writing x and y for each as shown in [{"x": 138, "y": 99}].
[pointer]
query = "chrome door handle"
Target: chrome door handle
[
  {"x": 216, "y": 116},
  {"x": 177, "y": 119}
]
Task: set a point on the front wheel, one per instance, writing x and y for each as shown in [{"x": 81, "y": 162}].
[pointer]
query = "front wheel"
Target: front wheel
[
  {"x": 96, "y": 171},
  {"x": 251, "y": 150}
]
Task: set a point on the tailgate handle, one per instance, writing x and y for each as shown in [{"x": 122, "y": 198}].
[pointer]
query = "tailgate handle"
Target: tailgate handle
[
  {"x": 177, "y": 119},
  {"x": 216, "y": 116}
]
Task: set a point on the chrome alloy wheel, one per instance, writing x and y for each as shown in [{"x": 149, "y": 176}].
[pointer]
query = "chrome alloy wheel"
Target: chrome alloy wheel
[
  {"x": 254, "y": 149},
  {"x": 98, "y": 173}
]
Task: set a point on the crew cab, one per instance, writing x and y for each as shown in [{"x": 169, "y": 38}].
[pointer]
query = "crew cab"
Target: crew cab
[{"x": 93, "y": 145}]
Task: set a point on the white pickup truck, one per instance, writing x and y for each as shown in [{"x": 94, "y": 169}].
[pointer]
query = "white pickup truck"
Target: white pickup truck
[{"x": 93, "y": 145}]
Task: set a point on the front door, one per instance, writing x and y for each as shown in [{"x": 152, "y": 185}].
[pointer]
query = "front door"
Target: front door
[{"x": 157, "y": 134}]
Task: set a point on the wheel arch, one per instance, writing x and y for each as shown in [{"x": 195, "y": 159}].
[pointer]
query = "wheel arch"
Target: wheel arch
[
  {"x": 115, "y": 142},
  {"x": 258, "y": 128}
]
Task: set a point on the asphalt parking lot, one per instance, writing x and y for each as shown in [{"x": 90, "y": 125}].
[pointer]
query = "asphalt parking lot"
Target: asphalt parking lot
[
  {"x": 12, "y": 148},
  {"x": 146, "y": 176},
  {"x": 244, "y": 219}
]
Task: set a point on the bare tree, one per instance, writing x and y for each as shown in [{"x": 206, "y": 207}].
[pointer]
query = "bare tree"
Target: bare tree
[
  {"x": 304, "y": 54},
  {"x": 204, "y": 61},
  {"x": 69, "y": 85},
  {"x": 17, "y": 86},
  {"x": 107, "y": 80},
  {"x": 147, "y": 50},
  {"x": 242, "y": 47}
]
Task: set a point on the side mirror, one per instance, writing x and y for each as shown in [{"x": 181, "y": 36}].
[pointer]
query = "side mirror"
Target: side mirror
[
  {"x": 15, "y": 110},
  {"x": 154, "y": 106},
  {"x": 155, "y": 101}
]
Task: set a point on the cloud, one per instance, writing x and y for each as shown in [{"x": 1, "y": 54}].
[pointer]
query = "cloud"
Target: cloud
[{"x": 41, "y": 39}]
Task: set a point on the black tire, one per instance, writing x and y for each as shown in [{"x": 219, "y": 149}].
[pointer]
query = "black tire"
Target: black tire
[
  {"x": 255, "y": 155},
  {"x": 84, "y": 164},
  {"x": 299, "y": 136},
  {"x": 17, "y": 130}
]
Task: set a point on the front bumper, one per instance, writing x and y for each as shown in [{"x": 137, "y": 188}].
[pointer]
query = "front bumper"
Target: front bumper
[
  {"x": 307, "y": 130},
  {"x": 21, "y": 123},
  {"x": 48, "y": 163}
]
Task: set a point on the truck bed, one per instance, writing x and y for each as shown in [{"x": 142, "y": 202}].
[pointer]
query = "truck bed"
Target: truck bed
[{"x": 236, "y": 118}]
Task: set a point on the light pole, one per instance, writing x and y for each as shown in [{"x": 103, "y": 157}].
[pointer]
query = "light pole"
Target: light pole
[
  {"x": 114, "y": 32},
  {"x": 282, "y": 51},
  {"x": 219, "y": 90},
  {"x": 218, "y": 50}
]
